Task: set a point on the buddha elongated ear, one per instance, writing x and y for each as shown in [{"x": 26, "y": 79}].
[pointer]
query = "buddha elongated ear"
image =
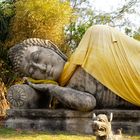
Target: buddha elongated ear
[
  {"x": 93, "y": 116},
  {"x": 111, "y": 117}
]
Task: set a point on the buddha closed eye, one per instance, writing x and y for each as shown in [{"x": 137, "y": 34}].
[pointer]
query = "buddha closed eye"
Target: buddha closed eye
[{"x": 35, "y": 56}]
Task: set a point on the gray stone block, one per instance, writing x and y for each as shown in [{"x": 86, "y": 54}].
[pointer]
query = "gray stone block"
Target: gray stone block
[{"x": 70, "y": 120}]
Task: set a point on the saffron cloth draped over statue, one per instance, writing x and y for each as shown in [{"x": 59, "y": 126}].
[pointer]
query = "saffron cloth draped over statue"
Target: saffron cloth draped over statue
[{"x": 111, "y": 57}]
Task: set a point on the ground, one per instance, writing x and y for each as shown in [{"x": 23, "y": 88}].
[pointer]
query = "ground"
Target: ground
[{"x": 10, "y": 134}]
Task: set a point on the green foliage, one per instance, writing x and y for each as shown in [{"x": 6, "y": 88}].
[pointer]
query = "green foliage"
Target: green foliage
[
  {"x": 137, "y": 34},
  {"x": 103, "y": 19},
  {"x": 75, "y": 33},
  {"x": 39, "y": 18},
  {"x": 77, "y": 28},
  {"x": 7, "y": 75},
  {"x": 88, "y": 16},
  {"x": 128, "y": 31},
  {"x": 6, "y": 12}
]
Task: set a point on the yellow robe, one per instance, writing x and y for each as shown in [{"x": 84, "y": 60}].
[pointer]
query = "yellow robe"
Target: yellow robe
[{"x": 111, "y": 57}]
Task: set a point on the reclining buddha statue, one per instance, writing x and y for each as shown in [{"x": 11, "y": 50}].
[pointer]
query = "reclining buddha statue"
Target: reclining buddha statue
[{"x": 103, "y": 72}]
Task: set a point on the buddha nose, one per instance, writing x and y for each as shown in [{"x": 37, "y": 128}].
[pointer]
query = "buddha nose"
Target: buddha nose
[{"x": 39, "y": 66}]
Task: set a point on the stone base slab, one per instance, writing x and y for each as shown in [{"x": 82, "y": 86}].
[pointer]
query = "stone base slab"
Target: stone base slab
[{"x": 70, "y": 121}]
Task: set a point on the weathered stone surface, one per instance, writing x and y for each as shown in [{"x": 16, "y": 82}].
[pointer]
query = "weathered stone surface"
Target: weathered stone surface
[
  {"x": 22, "y": 96},
  {"x": 70, "y": 121},
  {"x": 102, "y": 127}
]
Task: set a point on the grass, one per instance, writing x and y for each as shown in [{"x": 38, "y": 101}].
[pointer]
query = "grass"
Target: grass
[{"x": 10, "y": 134}]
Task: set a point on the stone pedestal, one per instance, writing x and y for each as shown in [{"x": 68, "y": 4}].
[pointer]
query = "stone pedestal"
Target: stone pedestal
[{"x": 70, "y": 121}]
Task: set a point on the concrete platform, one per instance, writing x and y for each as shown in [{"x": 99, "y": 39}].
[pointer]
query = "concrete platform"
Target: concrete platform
[{"x": 70, "y": 121}]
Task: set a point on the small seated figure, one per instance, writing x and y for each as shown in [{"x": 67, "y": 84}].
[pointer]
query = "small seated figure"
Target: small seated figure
[
  {"x": 99, "y": 58},
  {"x": 102, "y": 128}
]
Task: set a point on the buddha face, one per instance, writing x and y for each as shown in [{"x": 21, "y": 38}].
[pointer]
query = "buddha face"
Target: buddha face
[{"x": 42, "y": 63}]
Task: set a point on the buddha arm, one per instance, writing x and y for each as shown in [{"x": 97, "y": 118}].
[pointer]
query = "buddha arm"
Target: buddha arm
[{"x": 72, "y": 98}]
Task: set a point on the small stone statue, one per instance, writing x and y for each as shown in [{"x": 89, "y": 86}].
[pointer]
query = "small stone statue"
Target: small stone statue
[
  {"x": 102, "y": 128},
  {"x": 41, "y": 59}
]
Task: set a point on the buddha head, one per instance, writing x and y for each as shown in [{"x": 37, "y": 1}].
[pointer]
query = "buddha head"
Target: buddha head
[{"x": 38, "y": 59}]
